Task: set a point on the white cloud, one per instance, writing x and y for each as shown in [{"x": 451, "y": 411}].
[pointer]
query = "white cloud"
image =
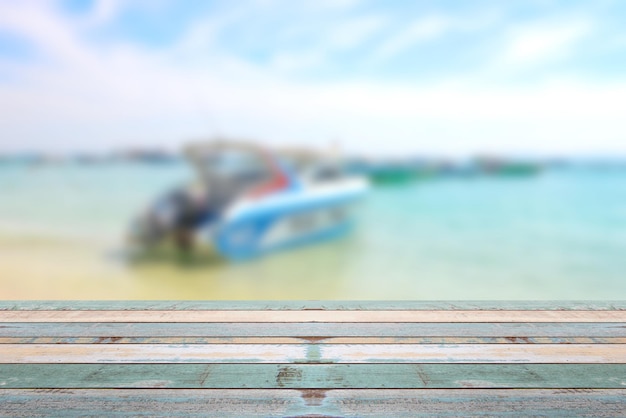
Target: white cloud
[
  {"x": 335, "y": 39},
  {"x": 422, "y": 30},
  {"x": 90, "y": 98},
  {"x": 537, "y": 43},
  {"x": 52, "y": 35},
  {"x": 353, "y": 32},
  {"x": 330, "y": 4},
  {"x": 102, "y": 12},
  {"x": 288, "y": 62}
]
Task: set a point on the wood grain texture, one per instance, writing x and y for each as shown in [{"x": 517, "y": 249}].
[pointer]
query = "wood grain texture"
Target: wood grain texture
[
  {"x": 308, "y": 330},
  {"x": 160, "y": 305},
  {"x": 312, "y": 353},
  {"x": 309, "y": 402},
  {"x": 313, "y": 376},
  {"x": 253, "y": 316},
  {"x": 312, "y": 358},
  {"x": 312, "y": 340}
]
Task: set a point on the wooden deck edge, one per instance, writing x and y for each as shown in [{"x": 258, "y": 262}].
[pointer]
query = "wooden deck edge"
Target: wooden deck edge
[
  {"x": 322, "y": 316},
  {"x": 279, "y": 305}
]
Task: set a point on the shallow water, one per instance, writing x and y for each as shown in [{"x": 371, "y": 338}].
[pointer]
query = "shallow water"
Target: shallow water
[{"x": 560, "y": 235}]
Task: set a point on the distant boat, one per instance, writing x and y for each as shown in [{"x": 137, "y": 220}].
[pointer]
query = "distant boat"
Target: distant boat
[
  {"x": 511, "y": 168},
  {"x": 150, "y": 156},
  {"x": 519, "y": 169},
  {"x": 249, "y": 202},
  {"x": 390, "y": 174},
  {"x": 384, "y": 173}
]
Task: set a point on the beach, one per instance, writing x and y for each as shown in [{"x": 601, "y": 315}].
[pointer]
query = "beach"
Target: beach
[{"x": 560, "y": 235}]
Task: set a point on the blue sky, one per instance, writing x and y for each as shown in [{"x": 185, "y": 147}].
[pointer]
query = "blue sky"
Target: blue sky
[{"x": 441, "y": 77}]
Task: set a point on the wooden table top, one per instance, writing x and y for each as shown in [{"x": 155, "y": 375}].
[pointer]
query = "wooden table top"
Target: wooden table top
[{"x": 312, "y": 358}]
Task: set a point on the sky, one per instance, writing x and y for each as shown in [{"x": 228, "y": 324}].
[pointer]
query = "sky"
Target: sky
[{"x": 445, "y": 77}]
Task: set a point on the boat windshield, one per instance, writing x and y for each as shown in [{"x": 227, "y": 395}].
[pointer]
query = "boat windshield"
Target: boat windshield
[{"x": 233, "y": 165}]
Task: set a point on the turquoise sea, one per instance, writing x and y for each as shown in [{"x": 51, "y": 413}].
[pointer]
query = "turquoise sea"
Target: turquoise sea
[{"x": 557, "y": 235}]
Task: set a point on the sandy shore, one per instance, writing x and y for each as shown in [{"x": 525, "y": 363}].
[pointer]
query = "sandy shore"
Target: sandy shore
[{"x": 46, "y": 267}]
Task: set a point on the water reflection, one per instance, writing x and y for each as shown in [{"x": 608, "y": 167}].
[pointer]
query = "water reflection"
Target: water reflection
[{"x": 304, "y": 273}]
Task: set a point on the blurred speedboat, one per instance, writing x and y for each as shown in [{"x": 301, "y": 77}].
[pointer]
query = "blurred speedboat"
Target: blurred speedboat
[{"x": 248, "y": 201}]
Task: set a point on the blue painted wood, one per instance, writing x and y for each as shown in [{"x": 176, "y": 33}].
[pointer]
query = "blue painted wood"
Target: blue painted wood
[
  {"x": 114, "y": 330},
  {"x": 312, "y": 376},
  {"x": 312, "y": 387},
  {"x": 312, "y": 340},
  {"x": 236, "y": 403}
]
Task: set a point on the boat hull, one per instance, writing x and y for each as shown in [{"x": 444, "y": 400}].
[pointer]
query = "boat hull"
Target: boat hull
[{"x": 288, "y": 221}]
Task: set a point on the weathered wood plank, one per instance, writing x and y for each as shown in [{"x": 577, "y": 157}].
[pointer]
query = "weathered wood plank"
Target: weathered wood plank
[
  {"x": 312, "y": 353},
  {"x": 313, "y": 340},
  {"x": 288, "y": 402},
  {"x": 396, "y": 316},
  {"x": 313, "y": 376},
  {"x": 158, "y": 305},
  {"x": 308, "y": 330}
]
